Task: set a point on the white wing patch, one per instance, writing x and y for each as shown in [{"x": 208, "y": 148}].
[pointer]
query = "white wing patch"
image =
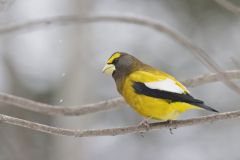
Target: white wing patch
[{"x": 166, "y": 85}]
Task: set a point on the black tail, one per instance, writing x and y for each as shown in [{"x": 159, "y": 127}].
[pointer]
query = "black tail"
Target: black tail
[{"x": 202, "y": 105}]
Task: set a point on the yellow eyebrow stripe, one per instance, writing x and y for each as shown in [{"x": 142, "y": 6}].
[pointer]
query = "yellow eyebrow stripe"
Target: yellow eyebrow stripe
[{"x": 113, "y": 57}]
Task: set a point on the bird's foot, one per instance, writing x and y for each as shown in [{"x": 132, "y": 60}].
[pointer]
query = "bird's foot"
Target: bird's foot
[
  {"x": 171, "y": 128},
  {"x": 144, "y": 123}
]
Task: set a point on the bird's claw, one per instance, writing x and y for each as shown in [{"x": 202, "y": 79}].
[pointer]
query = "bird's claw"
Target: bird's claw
[
  {"x": 144, "y": 123},
  {"x": 171, "y": 128}
]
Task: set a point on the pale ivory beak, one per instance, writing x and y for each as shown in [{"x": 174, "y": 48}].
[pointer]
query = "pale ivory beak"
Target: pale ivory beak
[{"x": 108, "y": 69}]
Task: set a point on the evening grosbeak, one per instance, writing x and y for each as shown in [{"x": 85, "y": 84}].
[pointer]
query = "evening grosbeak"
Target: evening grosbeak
[{"x": 149, "y": 91}]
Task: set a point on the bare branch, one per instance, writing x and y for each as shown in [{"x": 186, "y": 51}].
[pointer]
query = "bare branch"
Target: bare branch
[
  {"x": 73, "y": 19},
  {"x": 229, "y": 6},
  {"x": 100, "y": 106},
  {"x": 60, "y": 110},
  {"x": 117, "y": 131},
  {"x": 63, "y": 20},
  {"x": 212, "y": 77}
]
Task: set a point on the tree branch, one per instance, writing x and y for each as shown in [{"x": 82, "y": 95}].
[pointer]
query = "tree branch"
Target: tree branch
[
  {"x": 117, "y": 131},
  {"x": 63, "y": 20},
  {"x": 229, "y": 6},
  {"x": 100, "y": 106},
  {"x": 212, "y": 77},
  {"x": 60, "y": 110}
]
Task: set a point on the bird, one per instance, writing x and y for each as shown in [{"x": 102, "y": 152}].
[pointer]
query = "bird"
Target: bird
[{"x": 152, "y": 93}]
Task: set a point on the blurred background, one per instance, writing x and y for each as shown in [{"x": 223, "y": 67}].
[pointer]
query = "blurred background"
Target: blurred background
[{"x": 62, "y": 64}]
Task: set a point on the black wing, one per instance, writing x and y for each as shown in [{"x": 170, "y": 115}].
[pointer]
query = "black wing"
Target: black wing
[{"x": 141, "y": 88}]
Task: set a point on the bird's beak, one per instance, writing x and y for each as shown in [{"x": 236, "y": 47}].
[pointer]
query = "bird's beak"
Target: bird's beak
[{"x": 109, "y": 69}]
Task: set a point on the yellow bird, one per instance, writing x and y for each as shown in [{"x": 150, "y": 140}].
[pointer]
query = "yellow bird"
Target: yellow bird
[{"x": 150, "y": 92}]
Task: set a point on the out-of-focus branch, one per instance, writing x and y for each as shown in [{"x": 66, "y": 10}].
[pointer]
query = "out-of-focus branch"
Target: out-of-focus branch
[
  {"x": 229, "y": 6},
  {"x": 5, "y": 4},
  {"x": 236, "y": 62},
  {"x": 100, "y": 106},
  {"x": 73, "y": 19},
  {"x": 60, "y": 110},
  {"x": 156, "y": 25},
  {"x": 117, "y": 131},
  {"x": 212, "y": 77}
]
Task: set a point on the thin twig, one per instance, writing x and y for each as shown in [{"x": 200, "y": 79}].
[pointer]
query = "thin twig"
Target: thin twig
[
  {"x": 117, "y": 131},
  {"x": 100, "y": 106},
  {"x": 156, "y": 25},
  {"x": 229, "y": 6}
]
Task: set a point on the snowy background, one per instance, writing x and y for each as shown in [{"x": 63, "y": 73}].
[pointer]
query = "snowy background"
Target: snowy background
[{"x": 62, "y": 65}]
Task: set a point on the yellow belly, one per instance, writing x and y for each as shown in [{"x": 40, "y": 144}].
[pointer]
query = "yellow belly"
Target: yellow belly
[{"x": 153, "y": 107}]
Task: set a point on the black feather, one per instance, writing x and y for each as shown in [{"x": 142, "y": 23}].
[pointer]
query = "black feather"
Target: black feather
[
  {"x": 202, "y": 105},
  {"x": 141, "y": 88}
]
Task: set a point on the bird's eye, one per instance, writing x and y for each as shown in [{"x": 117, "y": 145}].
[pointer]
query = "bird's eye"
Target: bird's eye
[{"x": 115, "y": 61}]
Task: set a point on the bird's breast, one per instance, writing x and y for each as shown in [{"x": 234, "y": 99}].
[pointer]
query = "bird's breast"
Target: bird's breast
[{"x": 144, "y": 105}]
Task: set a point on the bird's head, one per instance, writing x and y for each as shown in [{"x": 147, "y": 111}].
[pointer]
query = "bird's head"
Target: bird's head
[{"x": 121, "y": 64}]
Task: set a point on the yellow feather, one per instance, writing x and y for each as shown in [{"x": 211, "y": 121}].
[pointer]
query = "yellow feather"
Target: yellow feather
[
  {"x": 154, "y": 108},
  {"x": 114, "y": 56}
]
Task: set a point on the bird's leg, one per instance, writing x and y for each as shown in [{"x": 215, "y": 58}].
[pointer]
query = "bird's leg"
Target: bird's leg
[
  {"x": 170, "y": 122},
  {"x": 145, "y": 122}
]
